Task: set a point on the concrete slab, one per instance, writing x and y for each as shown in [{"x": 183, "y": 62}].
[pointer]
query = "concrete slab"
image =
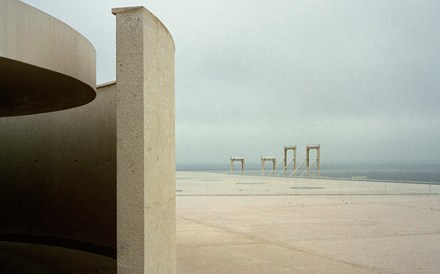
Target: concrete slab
[{"x": 254, "y": 233}]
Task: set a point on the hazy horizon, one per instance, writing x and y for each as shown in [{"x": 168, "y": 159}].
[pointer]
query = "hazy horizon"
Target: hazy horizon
[{"x": 361, "y": 78}]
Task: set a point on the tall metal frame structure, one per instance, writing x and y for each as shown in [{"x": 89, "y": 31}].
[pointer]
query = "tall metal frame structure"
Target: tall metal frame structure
[
  {"x": 237, "y": 159},
  {"x": 286, "y": 149},
  {"x": 317, "y": 160},
  {"x": 263, "y": 161}
]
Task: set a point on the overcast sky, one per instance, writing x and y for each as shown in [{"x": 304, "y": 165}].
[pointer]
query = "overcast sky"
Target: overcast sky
[{"x": 361, "y": 78}]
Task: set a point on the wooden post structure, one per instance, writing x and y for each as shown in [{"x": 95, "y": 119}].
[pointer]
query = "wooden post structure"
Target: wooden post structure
[
  {"x": 318, "y": 163},
  {"x": 239, "y": 159},
  {"x": 263, "y": 161},
  {"x": 286, "y": 148}
]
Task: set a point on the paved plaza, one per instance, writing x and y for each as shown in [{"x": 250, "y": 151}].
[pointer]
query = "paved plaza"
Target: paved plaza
[{"x": 254, "y": 224}]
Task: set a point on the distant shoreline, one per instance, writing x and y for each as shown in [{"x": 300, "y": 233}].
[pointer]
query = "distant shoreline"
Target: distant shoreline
[{"x": 391, "y": 172}]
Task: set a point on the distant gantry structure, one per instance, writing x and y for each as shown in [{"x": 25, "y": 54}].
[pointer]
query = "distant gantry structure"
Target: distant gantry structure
[
  {"x": 237, "y": 159},
  {"x": 263, "y": 161},
  {"x": 286, "y": 164},
  {"x": 317, "y": 160}
]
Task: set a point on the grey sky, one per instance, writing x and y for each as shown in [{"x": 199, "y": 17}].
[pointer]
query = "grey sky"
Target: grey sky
[{"x": 362, "y": 78}]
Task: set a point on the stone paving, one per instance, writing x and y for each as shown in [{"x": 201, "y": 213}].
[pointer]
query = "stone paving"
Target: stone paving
[{"x": 245, "y": 224}]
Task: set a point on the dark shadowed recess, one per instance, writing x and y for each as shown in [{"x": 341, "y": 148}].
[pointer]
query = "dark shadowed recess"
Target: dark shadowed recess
[{"x": 27, "y": 89}]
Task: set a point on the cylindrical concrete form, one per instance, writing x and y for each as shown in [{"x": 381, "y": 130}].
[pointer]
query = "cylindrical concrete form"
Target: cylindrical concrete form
[
  {"x": 58, "y": 187},
  {"x": 84, "y": 186},
  {"x": 45, "y": 65}
]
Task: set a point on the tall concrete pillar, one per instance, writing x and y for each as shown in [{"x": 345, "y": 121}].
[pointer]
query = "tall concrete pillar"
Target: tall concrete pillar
[
  {"x": 145, "y": 143},
  {"x": 285, "y": 161},
  {"x": 318, "y": 160},
  {"x": 294, "y": 161},
  {"x": 308, "y": 160}
]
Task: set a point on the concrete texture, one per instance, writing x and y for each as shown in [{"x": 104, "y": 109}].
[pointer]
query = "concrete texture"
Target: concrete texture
[
  {"x": 305, "y": 233},
  {"x": 45, "y": 65},
  {"x": 58, "y": 177},
  {"x": 145, "y": 143}
]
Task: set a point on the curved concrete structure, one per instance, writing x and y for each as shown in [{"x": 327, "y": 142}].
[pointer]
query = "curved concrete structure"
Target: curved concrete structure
[
  {"x": 91, "y": 187},
  {"x": 58, "y": 180},
  {"x": 45, "y": 65}
]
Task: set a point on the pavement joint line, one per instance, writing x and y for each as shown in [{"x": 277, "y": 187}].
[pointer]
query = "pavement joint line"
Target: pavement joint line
[
  {"x": 377, "y": 237},
  {"x": 229, "y": 244},
  {"x": 411, "y": 206},
  {"x": 295, "y": 249},
  {"x": 346, "y": 220}
]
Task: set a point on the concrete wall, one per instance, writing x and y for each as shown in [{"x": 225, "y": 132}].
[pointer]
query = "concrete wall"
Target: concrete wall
[
  {"x": 45, "y": 65},
  {"x": 145, "y": 143},
  {"x": 61, "y": 182},
  {"x": 58, "y": 176},
  {"x": 33, "y": 37}
]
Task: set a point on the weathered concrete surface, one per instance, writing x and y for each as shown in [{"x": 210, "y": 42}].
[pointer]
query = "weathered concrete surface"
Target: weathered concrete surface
[
  {"x": 305, "y": 234},
  {"x": 45, "y": 65},
  {"x": 58, "y": 177},
  {"x": 145, "y": 143}
]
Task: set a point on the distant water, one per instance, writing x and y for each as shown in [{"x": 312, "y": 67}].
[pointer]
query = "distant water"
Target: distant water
[{"x": 402, "y": 172}]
